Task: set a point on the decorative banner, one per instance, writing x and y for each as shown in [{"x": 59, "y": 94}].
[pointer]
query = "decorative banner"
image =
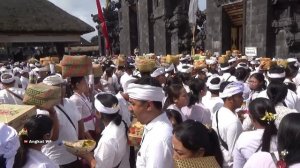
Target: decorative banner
[
  {"x": 193, "y": 8},
  {"x": 103, "y": 24}
]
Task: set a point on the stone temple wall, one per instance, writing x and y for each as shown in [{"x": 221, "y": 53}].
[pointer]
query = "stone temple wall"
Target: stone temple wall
[
  {"x": 159, "y": 26},
  {"x": 273, "y": 26}
]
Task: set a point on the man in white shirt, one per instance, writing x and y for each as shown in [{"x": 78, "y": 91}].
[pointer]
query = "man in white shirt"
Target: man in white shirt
[
  {"x": 214, "y": 102},
  {"x": 123, "y": 99},
  {"x": 9, "y": 94},
  {"x": 156, "y": 147},
  {"x": 226, "y": 71},
  {"x": 226, "y": 123},
  {"x": 71, "y": 128},
  {"x": 128, "y": 72}
]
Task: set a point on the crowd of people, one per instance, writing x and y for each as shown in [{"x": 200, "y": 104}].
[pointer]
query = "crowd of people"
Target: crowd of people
[{"x": 235, "y": 113}]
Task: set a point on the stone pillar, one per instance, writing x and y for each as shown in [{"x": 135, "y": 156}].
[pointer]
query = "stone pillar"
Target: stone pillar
[
  {"x": 160, "y": 43},
  {"x": 213, "y": 40},
  {"x": 175, "y": 42},
  {"x": 281, "y": 48},
  {"x": 257, "y": 26},
  {"x": 286, "y": 28},
  {"x": 159, "y": 26},
  {"x": 143, "y": 26},
  {"x": 124, "y": 21}
]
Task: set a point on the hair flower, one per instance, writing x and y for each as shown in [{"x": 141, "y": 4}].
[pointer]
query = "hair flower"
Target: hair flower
[
  {"x": 284, "y": 153},
  {"x": 269, "y": 117},
  {"x": 23, "y": 132}
]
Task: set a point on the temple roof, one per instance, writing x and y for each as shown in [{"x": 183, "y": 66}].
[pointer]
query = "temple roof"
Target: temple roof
[{"x": 38, "y": 16}]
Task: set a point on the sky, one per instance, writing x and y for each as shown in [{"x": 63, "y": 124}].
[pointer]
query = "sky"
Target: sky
[{"x": 84, "y": 8}]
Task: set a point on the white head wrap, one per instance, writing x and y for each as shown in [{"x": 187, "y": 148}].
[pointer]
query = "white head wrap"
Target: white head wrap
[
  {"x": 145, "y": 92},
  {"x": 292, "y": 60},
  {"x": 213, "y": 86},
  {"x": 36, "y": 69},
  {"x": 106, "y": 110},
  {"x": 182, "y": 58},
  {"x": 9, "y": 80},
  {"x": 3, "y": 69},
  {"x": 231, "y": 89},
  {"x": 276, "y": 75},
  {"x": 9, "y": 143},
  {"x": 31, "y": 65},
  {"x": 53, "y": 80},
  {"x": 37, "y": 64},
  {"x": 170, "y": 68},
  {"x": 17, "y": 69},
  {"x": 242, "y": 65},
  {"x": 225, "y": 68},
  {"x": 213, "y": 59},
  {"x": 210, "y": 61},
  {"x": 232, "y": 60},
  {"x": 208, "y": 74},
  {"x": 157, "y": 72},
  {"x": 185, "y": 68},
  {"x": 126, "y": 80}
]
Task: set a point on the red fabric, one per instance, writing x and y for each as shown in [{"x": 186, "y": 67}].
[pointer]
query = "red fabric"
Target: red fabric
[{"x": 103, "y": 24}]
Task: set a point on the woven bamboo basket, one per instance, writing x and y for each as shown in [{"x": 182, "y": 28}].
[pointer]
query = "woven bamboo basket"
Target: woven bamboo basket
[
  {"x": 200, "y": 162},
  {"x": 172, "y": 59},
  {"x": 266, "y": 63},
  {"x": 144, "y": 64}
]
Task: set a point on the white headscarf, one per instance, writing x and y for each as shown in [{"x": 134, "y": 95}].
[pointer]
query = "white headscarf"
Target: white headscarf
[
  {"x": 53, "y": 80},
  {"x": 214, "y": 86},
  {"x": 157, "y": 72},
  {"x": 276, "y": 75},
  {"x": 126, "y": 80},
  {"x": 231, "y": 89},
  {"x": 9, "y": 80},
  {"x": 145, "y": 92},
  {"x": 242, "y": 65},
  {"x": 185, "y": 68},
  {"x": 170, "y": 68},
  {"x": 102, "y": 109}
]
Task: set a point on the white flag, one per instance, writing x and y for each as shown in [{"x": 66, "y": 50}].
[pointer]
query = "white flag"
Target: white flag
[{"x": 192, "y": 11}]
